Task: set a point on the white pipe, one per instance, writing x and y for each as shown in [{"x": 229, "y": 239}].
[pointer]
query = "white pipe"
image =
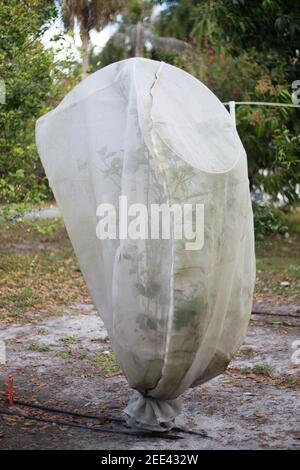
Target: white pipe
[
  {"x": 262, "y": 103},
  {"x": 232, "y": 111}
]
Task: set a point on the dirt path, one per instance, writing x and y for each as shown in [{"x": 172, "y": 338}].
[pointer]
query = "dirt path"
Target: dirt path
[{"x": 67, "y": 362}]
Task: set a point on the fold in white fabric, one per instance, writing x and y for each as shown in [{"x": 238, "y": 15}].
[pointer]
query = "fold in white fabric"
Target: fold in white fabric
[
  {"x": 151, "y": 414},
  {"x": 152, "y": 133}
]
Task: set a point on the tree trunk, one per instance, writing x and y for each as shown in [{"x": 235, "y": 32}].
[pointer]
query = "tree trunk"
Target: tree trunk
[
  {"x": 85, "y": 52},
  {"x": 138, "y": 40}
]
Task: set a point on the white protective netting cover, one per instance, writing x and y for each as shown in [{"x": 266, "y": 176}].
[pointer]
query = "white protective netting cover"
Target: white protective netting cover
[{"x": 153, "y": 133}]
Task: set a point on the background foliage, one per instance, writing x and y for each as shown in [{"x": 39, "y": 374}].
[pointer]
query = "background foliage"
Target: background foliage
[
  {"x": 34, "y": 84},
  {"x": 243, "y": 51}
]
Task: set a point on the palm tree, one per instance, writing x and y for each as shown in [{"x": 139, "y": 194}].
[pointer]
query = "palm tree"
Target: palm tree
[
  {"x": 137, "y": 29},
  {"x": 89, "y": 14}
]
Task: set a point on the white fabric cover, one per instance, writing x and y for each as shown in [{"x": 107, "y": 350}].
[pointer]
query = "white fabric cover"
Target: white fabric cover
[{"x": 154, "y": 133}]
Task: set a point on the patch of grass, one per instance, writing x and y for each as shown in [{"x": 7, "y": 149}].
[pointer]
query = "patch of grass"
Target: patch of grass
[
  {"x": 69, "y": 340},
  {"x": 43, "y": 281},
  {"x": 281, "y": 324},
  {"x": 83, "y": 356},
  {"x": 293, "y": 221},
  {"x": 32, "y": 232},
  {"x": 39, "y": 347},
  {"x": 245, "y": 352},
  {"x": 289, "y": 381},
  {"x": 47, "y": 228},
  {"x": 278, "y": 261},
  {"x": 64, "y": 353},
  {"x": 108, "y": 363},
  {"x": 245, "y": 370},
  {"x": 14, "y": 313},
  {"x": 294, "y": 269},
  {"x": 20, "y": 298},
  {"x": 38, "y": 272},
  {"x": 264, "y": 369}
]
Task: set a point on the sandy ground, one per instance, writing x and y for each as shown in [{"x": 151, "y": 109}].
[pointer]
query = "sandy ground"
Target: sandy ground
[{"x": 246, "y": 408}]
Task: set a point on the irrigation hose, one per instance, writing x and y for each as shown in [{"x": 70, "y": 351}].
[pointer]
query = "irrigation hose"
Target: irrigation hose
[{"x": 92, "y": 428}]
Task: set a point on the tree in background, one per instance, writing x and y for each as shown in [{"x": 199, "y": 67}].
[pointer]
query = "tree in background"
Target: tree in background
[
  {"x": 271, "y": 27},
  {"x": 137, "y": 36},
  {"x": 177, "y": 18},
  {"x": 248, "y": 51},
  {"x": 26, "y": 69},
  {"x": 89, "y": 14},
  {"x": 35, "y": 82}
]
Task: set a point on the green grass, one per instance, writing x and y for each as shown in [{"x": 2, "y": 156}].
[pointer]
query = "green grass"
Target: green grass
[
  {"x": 278, "y": 261},
  {"x": 20, "y": 298},
  {"x": 107, "y": 363},
  {"x": 38, "y": 270},
  {"x": 39, "y": 347},
  {"x": 290, "y": 381},
  {"x": 64, "y": 353},
  {"x": 264, "y": 369},
  {"x": 293, "y": 221},
  {"x": 69, "y": 340},
  {"x": 84, "y": 356},
  {"x": 40, "y": 274}
]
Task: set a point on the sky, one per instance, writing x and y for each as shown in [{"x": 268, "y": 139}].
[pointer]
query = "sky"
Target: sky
[{"x": 69, "y": 45}]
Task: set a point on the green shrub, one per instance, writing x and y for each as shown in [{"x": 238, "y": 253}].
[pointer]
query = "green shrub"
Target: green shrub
[{"x": 268, "y": 220}]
